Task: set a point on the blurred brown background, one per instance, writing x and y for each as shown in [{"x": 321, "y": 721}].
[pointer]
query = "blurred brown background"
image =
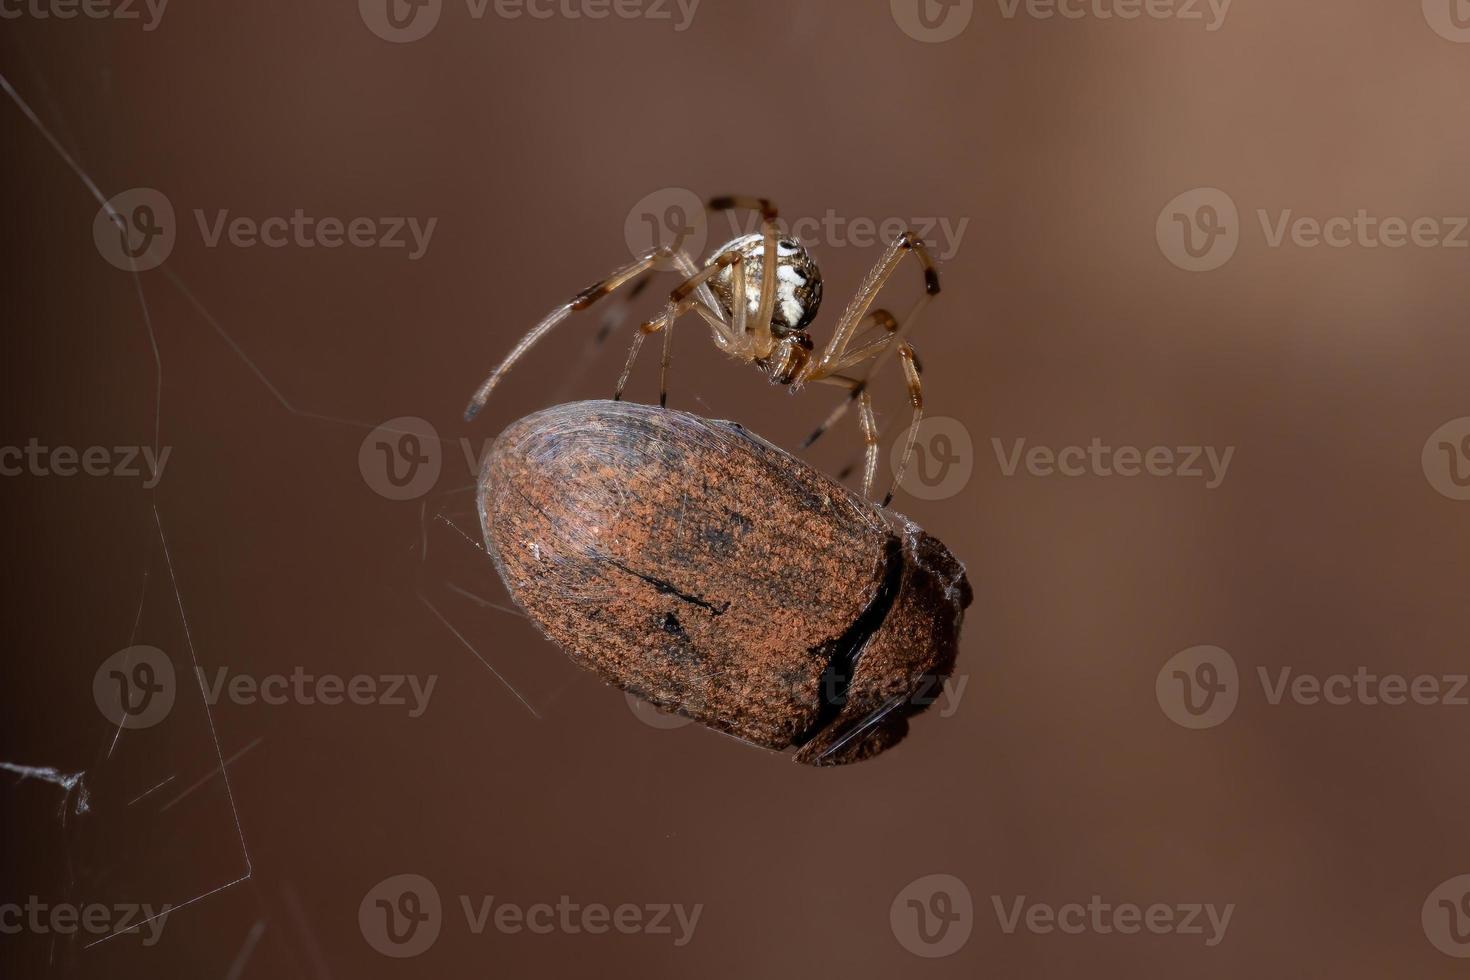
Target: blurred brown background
[{"x": 1057, "y": 144}]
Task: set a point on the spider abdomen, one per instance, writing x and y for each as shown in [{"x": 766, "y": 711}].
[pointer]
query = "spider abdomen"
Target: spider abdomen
[{"x": 798, "y": 282}]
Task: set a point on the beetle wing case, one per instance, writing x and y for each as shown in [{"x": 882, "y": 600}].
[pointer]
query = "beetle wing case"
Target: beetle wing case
[{"x": 715, "y": 575}]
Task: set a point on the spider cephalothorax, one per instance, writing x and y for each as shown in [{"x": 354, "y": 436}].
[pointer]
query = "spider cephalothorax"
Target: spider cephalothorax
[{"x": 764, "y": 323}]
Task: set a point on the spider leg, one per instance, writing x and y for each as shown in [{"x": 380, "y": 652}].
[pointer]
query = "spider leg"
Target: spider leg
[
  {"x": 880, "y": 318},
  {"x": 581, "y": 301},
  {"x": 869, "y": 425},
  {"x": 681, "y": 299},
  {"x": 612, "y": 321},
  {"x": 912, "y": 371},
  {"x": 910, "y": 362},
  {"x": 615, "y": 315},
  {"x": 853, "y": 316},
  {"x": 761, "y": 343},
  {"x": 708, "y": 307}
]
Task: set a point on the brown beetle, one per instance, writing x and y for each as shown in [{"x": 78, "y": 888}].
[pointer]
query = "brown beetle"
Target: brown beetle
[{"x": 717, "y": 576}]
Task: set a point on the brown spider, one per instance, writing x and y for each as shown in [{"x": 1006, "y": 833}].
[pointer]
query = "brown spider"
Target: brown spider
[{"x": 758, "y": 293}]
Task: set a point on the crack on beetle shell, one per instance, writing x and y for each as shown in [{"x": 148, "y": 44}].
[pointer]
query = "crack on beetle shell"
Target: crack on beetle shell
[{"x": 843, "y": 653}]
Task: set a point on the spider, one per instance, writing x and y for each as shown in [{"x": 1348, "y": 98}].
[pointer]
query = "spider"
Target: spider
[{"x": 758, "y": 293}]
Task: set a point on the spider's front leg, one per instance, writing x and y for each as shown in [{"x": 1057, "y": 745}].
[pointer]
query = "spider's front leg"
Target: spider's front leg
[
  {"x": 852, "y": 318},
  {"x": 838, "y": 357},
  {"x": 581, "y": 301},
  {"x": 682, "y": 298},
  {"x": 760, "y": 341},
  {"x": 857, "y": 318}
]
